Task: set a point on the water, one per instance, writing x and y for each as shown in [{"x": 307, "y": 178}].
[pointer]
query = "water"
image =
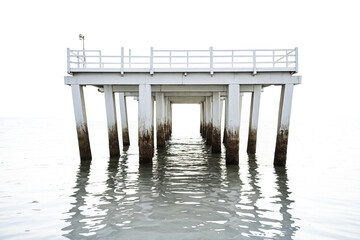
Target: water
[{"x": 188, "y": 193}]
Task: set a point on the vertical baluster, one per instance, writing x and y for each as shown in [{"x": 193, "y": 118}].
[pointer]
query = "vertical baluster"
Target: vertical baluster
[
  {"x": 151, "y": 60},
  {"x": 187, "y": 58},
  {"x": 100, "y": 60},
  {"x": 232, "y": 58},
  {"x": 170, "y": 58},
  {"x": 122, "y": 61},
  {"x": 296, "y": 60},
  {"x": 129, "y": 58},
  {"x": 287, "y": 59},
  {"x": 254, "y": 62},
  {"x": 211, "y": 61}
]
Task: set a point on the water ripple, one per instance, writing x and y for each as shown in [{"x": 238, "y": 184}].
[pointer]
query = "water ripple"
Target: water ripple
[{"x": 185, "y": 190}]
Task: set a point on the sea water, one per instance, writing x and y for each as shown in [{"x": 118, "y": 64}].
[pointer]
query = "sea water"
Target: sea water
[{"x": 187, "y": 193}]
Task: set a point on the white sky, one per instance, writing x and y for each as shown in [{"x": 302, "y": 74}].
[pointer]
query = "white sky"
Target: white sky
[{"x": 35, "y": 35}]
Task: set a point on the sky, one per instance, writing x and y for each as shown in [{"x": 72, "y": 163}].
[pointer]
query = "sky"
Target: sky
[{"x": 35, "y": 35}]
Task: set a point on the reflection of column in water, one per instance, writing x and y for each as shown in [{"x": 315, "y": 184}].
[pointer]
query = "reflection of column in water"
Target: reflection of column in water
[
  {"x": 287, "y": 221},
  {"x": 109, "y": 202},
  {"x": 250, "y": 213},
  {"x": 76, "y": 220}
]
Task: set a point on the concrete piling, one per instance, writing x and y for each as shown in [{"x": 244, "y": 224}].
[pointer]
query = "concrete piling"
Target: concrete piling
[
  {"x": 225, "y": 120},
  {"x": 283, "y": 124},
  {"x": 254, "y": 119},
  {"x": 208, "y": 124},
  {"x": 81, "y": 122},
  {"x": 216, "y": 123},
  {"x": 146, "y": 149},
  {"x": 201, "y": 118},
  {"x": 233, "y": 125},
  {"x": 114, "y": 147},
  {"x": 124, "y": 120},
  {"x": 160, "y": 120}
]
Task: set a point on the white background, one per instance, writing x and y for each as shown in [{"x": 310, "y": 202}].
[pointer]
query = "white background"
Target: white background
[{"x": 35, "y": 35}]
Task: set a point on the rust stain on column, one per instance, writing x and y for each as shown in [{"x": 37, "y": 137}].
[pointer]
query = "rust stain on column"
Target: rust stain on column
[
  {"x": 125, "y": 137},
  {"x": 166, "y": 130},
  {"x": 281, "y": 147},
  {"x": 113, "y": 142},
  {"x": 208, "y": 133},
  {"x": 216, "y": 141},
  {"x": 84, "y": 143},
  {"x": 203, "y": 131},
  {"x": 251, "y": 147},
  {"x": 225, "y": 137},
  {"x": 160, "y": 137},
  {"x": 232, "y": 148},
  {"x": 146, "y": 150}
]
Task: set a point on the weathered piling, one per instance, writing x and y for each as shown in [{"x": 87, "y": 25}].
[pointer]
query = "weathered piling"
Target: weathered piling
[
  {"x": 124, "y": 120},
  {"x": 208, "y": 120},
  {"x": 146, "y": 149},
  {"x": 201, "y": 118},
  {"x": 160, "y": 120},
  {"x": 233, "y": 125},
  {"x": 216, "y": 123},
  {"x": 114, "y": 147},
  {"x": 225, "y": 120},
  {"x": 283, "y": 124},
  {"x": 254, "y": 119},
  {"x": 81, "y": 122}
]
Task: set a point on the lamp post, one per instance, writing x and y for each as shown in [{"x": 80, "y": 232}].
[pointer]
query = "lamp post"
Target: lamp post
[{"x": 82, "y": 37}]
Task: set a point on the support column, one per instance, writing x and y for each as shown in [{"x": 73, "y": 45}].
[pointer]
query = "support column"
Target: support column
[
  {"x": 225, "y": 120},
  {"x": 283, "y": 124},
  {"x": 216, "y": 123},
  {"x": 81, "y": 122},
  {"x": 204, "y": 129},
  {"x": 254, "y": 119},
  {"x": 208, "y": 121},
  {"x": 170, "y": 117},
  {"x": 201, "y": 118},
  {"x": 111, "y": 121},
  {"x": 146, "y": 149},
  {"x": 124, "y": 120},
  {"x": 233, "y": 125},
  {"x": 152, "y": 121},
  {"x": 166, "y": 111},
  {"x": 160, "y": 120}
]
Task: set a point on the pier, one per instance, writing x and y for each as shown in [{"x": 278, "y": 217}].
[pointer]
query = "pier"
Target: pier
[{"x": 164, "y": 77}]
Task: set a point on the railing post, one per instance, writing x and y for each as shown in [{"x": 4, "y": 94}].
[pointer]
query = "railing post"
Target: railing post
[
  {"x": 151, "y": 60},
  {"x": 273, "y": 58},
  {"x": 122, "y": 61},
  {"x": 68, "y": 60},
  {"x": 100, "y": 60},
  {"x": 296, "y": 60},
  {"x": 211, "y": 61},
  {"x": 287, "y": 58},
  {"x": 78, "y": 59},
  {"x": 129, "y": 58},
  {"x": 254, "y": 62},
  {"x": 187, "y": 59},
  {"x": 232, "y": 58},
  {"x": 170, "y": 58}
]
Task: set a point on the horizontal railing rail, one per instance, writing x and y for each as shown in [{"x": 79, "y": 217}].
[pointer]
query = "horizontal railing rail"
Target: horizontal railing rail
[{"x": 211, "y": 60}]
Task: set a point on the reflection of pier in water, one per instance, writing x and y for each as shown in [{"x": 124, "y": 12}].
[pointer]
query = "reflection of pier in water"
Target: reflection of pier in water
[{"x": 188, "y": 192}]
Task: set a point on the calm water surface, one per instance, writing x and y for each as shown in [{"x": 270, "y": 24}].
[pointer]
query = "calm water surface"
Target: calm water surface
[{"x": 188, "y": 193}]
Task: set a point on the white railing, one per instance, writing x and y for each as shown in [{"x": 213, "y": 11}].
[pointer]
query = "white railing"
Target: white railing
[{"x": 259, "y": 60}]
